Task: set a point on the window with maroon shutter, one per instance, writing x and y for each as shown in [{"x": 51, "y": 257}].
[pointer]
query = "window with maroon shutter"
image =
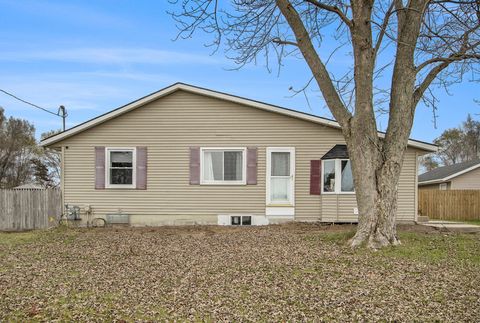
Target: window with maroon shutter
[
  {"x": 194, "y": 165},
  {"x": 99, "y": 168},
  {"x": 225, "y": 166},
  {"x": 251, "y": 166},
  {"x": 315, "y": 176},
  {"x": 120, "y": 168}
]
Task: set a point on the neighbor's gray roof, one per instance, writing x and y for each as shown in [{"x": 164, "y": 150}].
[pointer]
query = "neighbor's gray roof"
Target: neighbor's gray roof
[
  {"x": 337, "y": 152},
  {"x": 444, "y": 172}
]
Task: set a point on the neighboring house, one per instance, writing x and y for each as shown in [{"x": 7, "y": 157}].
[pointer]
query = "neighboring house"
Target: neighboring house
[
  {"x": 462, "y": 176},
  {"x": 186, "y": 155}
]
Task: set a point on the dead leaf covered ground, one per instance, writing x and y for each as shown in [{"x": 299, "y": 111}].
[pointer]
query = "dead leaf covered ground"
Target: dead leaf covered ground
[{"x": 294, "y": 272}]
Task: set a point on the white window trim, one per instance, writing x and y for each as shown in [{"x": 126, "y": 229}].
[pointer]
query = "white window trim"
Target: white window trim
[
  {"x": 244, "y": 166},
  {"x": 338, "y": 178},
  {"x": 443, "y": 186},
  {"x": 291, "y": 150},
  {"x": 241, "y": 220},
  {"x": 108, "y": 150}
]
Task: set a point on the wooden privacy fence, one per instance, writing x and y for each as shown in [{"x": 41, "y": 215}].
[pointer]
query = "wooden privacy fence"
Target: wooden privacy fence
[
  {"x": 29, "y": 209},
  {"x": 449, "y": 205}
]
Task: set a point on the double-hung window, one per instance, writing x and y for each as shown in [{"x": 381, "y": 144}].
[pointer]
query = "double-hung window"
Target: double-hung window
[
  {"x": 223, "y": 166},
  {"x": 337, "y": 176},
  {"x": 121, "y": 168}
]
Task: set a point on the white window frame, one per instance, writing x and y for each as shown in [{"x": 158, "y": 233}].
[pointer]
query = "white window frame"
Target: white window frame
[
  {"x": 338, "y": 178},
  {"x": 443, "y": 186},
  {"x": 108, "y": 150},
  {"x": 271, "y": 150},
  {"x": 241, "y": 220},
  {"x": 224, "y": 182}
]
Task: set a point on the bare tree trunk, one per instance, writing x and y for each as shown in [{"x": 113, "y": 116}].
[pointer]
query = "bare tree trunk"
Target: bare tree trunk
[
  {"x": 377, "y": 204},
  {"x": 376, "y": 188},
  {"x": 375, "y": 165},
  {"x": 374, "y": 172}
]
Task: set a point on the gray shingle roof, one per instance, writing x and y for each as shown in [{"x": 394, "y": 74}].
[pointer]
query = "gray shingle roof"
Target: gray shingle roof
[
  {"x": 446, "y": 171},
  {"x": 338, "y": 151}
]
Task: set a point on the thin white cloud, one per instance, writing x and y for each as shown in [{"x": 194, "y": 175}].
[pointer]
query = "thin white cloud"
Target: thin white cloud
[{"x": 108, "y": 56}]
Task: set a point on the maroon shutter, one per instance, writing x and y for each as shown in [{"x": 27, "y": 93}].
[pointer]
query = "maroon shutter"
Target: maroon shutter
[
  {"x": 99, "y": 168},
  {"x": 315, "y": 176},
  {"x": 194, "y": 165},
  {"x": 141, "y": 168},
  {"x": 251, "y": 166}
]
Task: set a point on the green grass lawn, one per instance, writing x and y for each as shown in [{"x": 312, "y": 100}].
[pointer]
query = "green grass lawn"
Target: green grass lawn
[
  {"x": 294, "y": 272},
  {"x": 477, "y": 222}
]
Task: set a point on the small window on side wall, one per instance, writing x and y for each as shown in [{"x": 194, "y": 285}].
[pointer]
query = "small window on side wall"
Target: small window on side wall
[
  {"x": 241, "y": 220},
  {"x": 120, "y": 167},
  {"x": 443, "y": 186}
]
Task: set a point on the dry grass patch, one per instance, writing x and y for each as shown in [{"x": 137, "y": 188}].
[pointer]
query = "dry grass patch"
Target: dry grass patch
[{"x": 275, "y": 273}]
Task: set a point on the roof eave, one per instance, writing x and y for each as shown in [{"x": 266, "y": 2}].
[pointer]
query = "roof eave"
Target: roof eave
[{"x": 431, "y": 182}]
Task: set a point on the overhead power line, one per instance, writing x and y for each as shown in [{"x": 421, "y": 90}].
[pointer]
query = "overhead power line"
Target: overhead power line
[
  {"x": 62, "y": 112},
  {"x": 29, "y": 103}
]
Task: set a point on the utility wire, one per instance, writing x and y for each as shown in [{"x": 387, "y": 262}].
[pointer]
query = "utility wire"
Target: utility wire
[{"x": 29, "y": 103}]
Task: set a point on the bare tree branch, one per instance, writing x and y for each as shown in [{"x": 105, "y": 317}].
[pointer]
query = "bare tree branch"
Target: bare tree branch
[
  {"x": 333, "y": 9},
  {"x": 452, "y": 58},
  {"x": 316, "y": 65},
  {"x": 284, "y": 42},
  {"x": 383, "y": 28}
]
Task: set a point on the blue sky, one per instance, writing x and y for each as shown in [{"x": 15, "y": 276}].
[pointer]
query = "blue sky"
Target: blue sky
[{"x": 93, "y": 56}]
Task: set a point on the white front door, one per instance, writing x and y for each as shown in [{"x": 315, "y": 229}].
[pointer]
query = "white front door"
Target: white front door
[{"x": 280, "y": 178}]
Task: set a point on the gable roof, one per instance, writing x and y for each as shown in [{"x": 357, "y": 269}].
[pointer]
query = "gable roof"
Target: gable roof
[
  {"x": 209, "y": 93},
  {"x": 337, "y": 152},
  {"x": 445, "y": 173}
]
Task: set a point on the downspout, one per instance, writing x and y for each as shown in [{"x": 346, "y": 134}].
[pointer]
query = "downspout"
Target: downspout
[
  {"x": 416, "y": 186},
  {"x": 62, "y": 177}
]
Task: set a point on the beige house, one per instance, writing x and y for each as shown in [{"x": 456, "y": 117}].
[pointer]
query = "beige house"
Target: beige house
[
  {"x": 188, "y": 155},
  {"x": 462, "y": 176}
]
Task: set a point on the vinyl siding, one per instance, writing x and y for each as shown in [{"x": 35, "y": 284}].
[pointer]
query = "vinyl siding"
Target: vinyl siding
[
  {"x": 407, "y": 198},
  {"x": 172, "y": 124},
  {"x": 467, "y": 181}
]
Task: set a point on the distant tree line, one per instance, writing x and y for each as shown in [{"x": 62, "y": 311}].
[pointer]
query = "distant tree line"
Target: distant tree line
[
  {"x": 22, "y": 160},
  {"x": 456, "y": 145}
]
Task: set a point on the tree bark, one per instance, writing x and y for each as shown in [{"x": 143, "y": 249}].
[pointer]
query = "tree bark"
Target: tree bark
[
  {"x": 375, "y": 174},
  {"x": 376, "y": 186}
]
